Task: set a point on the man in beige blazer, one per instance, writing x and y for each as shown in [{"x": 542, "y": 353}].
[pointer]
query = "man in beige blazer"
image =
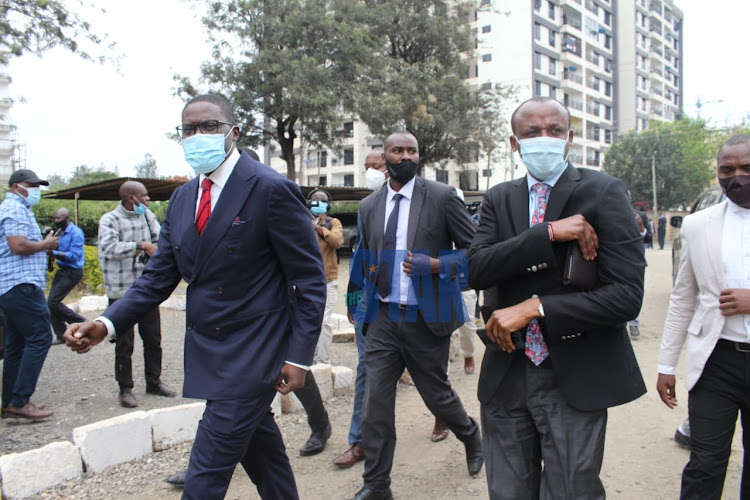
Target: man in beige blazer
[{"x": 709, "y": 309}]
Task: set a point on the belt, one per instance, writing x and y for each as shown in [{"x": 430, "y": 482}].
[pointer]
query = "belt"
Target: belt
[
  {"x": 401, "y": 307},
  {"x": 737, "y": 346}
]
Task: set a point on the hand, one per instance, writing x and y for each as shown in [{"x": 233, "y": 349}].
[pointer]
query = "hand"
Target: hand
[
  {"x": 350, "y": 317},
  {"x": 149, "y": 248},
  {"x": 318, "y": 229},
  {"x": 81, "y": 337},
  {"x": 50, "y": 242},
  {"x": 290, "y": 379},
  {"x": 420, "y": 264},
  {"x": 734, "y": 301},
  {"x": 505, "y": 321},
  {"x": 575, "y": 227},
  {"x": 665, "y": 388}
]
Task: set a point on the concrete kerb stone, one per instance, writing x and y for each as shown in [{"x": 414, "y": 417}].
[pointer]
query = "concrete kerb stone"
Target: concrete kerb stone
[
  {"x": 343, "y": 380},
  {"x": 344, "y": 335},
  {"x": 27, "y": 473},
  {"x": 114, "y": 441},
  {"x": 175, "y": 425},
  {"x": 323, "y": 378}
]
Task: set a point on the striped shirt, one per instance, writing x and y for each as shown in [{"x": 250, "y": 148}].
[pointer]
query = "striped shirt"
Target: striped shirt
[
  {"x": 16, "y": 219},
  {"x": 120, "y": 232}
]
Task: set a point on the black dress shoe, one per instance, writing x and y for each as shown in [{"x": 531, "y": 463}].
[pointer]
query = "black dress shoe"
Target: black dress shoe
[
  {"x": 474, "y": 455},
  {"x": 160, "y": 389},
  {"x": 316, "y": 443},
  {"x": 177, "y": 479},
  {"x": 127, "y": 399},
  {"x": 369, "y": 494}
]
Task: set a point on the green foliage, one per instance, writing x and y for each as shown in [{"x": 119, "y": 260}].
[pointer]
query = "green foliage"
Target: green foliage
[
  {"x": 84, "y": 174},
  {"x": 92, "y": 282},
  {"x": 339, "y": 207},
  {"x": 38, "y": 25},
  {"x": 284, "y": 69},
  {"x": 684, "y": 154},
  {"x": 415, "y": 79}
]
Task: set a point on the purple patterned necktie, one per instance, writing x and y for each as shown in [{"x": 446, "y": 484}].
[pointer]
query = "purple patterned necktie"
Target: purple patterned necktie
[{"x": 536, "y": 348}]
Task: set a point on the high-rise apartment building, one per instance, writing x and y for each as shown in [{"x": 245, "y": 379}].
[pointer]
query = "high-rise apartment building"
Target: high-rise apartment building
[
  {"x": 6, "y": 128},
  {"x": 616, "y": 64}
]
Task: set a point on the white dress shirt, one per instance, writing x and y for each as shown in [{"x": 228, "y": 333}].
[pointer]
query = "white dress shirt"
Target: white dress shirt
[{"x": 401, "y": 291}]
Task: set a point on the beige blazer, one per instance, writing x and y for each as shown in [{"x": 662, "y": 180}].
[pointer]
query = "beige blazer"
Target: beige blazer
[{"x": 693, "y": 313}]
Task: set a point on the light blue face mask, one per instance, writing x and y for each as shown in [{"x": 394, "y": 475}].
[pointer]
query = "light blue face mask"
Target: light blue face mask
[
  {"x": 205, "y": 152},
  {"x": 544, "y": 157},
  {"x": 139, "y": 209},
  {"x": 320, "y": 209},
  {"x": 33, "y": 195}
]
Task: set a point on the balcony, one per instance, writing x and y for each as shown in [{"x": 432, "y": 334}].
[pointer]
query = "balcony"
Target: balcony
[
  {"x": 593, "y": 84},
  {"x": 592, "y": 109},
  {"x": 657, "y": 111},
  {"x": 573, "y": 76},
  {"x": 571, "y": 22},
  {"x": 574, "y": 104}
]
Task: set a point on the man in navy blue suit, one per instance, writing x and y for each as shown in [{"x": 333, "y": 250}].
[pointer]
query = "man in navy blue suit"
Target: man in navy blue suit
[{"x": 239, "y": 234}]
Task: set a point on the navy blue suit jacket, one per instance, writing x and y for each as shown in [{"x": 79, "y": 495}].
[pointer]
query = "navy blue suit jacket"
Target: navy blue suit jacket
[{"x": 256, "y": 287}]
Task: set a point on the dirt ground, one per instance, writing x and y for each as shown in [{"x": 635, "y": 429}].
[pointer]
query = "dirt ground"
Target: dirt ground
[{"x": 641, "y": 460}]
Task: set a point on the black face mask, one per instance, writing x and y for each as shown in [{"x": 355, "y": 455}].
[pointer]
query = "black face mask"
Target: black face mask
[
  {"x": 402, "y": 172},
  {"x": 62, "y": 224},
  {"x": 737, "y": 189}
]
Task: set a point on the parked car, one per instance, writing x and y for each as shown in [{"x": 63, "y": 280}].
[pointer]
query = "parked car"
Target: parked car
[
  {"x": 707, "y": 198},
  {"x": 349, "y": 228}
]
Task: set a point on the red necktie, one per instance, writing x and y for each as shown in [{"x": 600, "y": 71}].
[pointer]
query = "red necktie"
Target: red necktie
[{"x": 204, "y": 207}]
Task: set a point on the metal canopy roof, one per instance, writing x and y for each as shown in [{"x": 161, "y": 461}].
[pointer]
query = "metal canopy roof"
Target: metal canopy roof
[{"x": 160, "y": 190}]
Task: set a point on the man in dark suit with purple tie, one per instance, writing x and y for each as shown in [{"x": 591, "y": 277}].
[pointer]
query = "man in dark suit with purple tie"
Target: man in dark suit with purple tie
[{"x": 239, "y": 234}]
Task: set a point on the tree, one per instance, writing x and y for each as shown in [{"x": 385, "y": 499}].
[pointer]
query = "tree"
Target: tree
[
  {"x": 84, "y": 174},
  {"x": 422, "y": 50},
  {"x": 147, "y": 168},
  {"x": 38, "y": 25},
  {"x": 683, "y": 153},
  {"x": 284, "y": 65}
]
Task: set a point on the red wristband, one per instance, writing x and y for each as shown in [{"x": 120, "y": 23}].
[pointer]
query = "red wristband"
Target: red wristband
[{"x": 551, "y": 232}]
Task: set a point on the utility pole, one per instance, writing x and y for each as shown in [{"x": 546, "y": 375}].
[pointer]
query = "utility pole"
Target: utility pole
[{"x": 653, "y": 185}]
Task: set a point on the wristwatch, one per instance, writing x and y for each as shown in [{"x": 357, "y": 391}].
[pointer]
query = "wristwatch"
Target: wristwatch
[{"x": 541, "y": 310}]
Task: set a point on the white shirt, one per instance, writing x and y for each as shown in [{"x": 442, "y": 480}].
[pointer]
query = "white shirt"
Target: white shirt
[
  {"x": 735, "y": 256},
  {"x": 401, "y": 290},
  {"x": 530, "y": 181},
  {"x": 735, "y": 249}
]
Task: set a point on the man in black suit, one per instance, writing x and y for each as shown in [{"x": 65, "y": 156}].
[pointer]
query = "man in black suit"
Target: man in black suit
[
  {"x": 414, "y": 303},
  {"x": 560, "y": 355}
]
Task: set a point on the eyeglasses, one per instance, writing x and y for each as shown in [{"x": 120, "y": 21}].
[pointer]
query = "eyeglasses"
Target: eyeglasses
[{"x": 206, "y": 127}]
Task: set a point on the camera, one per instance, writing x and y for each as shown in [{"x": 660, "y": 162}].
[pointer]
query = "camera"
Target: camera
[{"x": 143, "y": 258}]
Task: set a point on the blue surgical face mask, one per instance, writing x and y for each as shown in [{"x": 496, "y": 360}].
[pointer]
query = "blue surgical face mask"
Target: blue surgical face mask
[
  {"x": 320, "y": 209},
  {"x": 544, "y": 157},
  {"x": 33, "y": 195},
  {"x": 205, "y": 152},
  {"x": 139, "y": 209}
]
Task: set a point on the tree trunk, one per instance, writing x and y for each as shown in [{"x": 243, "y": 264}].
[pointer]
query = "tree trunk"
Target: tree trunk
[{"x": 285, "y": 134}]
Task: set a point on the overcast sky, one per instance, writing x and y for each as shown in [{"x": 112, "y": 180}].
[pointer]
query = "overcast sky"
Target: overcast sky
[{"x": 72, "y": 112}]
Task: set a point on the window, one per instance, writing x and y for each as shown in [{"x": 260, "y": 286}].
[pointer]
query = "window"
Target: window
[
  {"x": 592, "y": 28},
  {"x": 487, "y": 86},
  {"x": 441, "y": 176},
  {"x": 349, "y": 180},
  {"x": 322, "y": 181},
  {"x": 487, "y": 29},
  {"x": 349, "y": 156},
  {"x": 608, "y": 89},
  {"x": 323, "y": 158},
  {"x": 552, "y": 67},
  {"x": 349, "y": 129},
  {"x": 550, "y": 10},
  {"x": 537, "y": 5},
  {"x": 608, "y": 112},
  {"x": 553, "y": 92},
  {"x": 607, "y": 18},
  {"x": 571, "y": 44},
  {"x": 608, "y": 66},
  {"x": 537, "y": 31},
  {"x": 537, "y": 60},
  {"x": 608, "y": 136},
  {"x": 552, "y": 38},
  {"x": 608, "y": 41},
  {"x": 537, "y": 88},
  {"x": 486, "y": 57}
]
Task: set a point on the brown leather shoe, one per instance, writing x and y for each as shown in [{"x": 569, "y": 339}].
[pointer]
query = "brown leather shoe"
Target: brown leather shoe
[
  {"x": 440, "y": 431},
  {"x": 350, "y": 457},
  {"x": 29, "y": 410},
  {"x": 469, "y": 365}
]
